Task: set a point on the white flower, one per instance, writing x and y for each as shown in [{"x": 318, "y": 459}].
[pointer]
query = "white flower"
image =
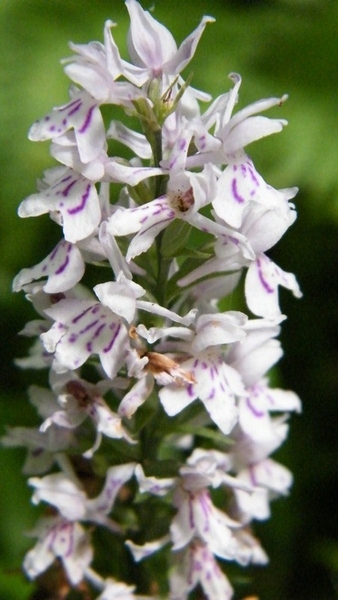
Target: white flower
[
  {"x": 83, "y": 115},
  {"x": 70, "y": 195},
  {"x": 59, "y": 538},
  {"x": 63, "y": 267},
  {"x": 83, "y": 328},
  {"x": 197, "y": 565},
  {"x": 82, "y": 399},
  {"x": 261, "y": 287},
  {"x": 71, "y": 501},
  {"x": 153, "y": 49},
  {"x": 269, "y": 479},
  {"x": 240, "y": 188},
  {"x": 216, "y": 385}
]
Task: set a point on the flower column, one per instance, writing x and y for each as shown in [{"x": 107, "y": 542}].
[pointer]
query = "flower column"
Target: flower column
[{"x": 154, "y": 397}]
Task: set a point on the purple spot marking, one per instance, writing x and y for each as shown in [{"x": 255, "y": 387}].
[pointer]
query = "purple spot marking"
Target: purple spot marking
[
  {"x": 87, "y": 120},
  {"x": 243, "y": 169},
  {"x": 257, "y": 413},
  {"x": 235, "y": 193},
  {"x": 72, "y": 338},
  {"x": 190, "y": 390},
  {"x": 84, "y": 198},
  {"x": 266, "y": 286},
  {"x": 89, "y": 346},
  {"x": 197, "y": 565},
  {"x": 98, "y": 331},
  {"x": 63, "y": 266},
  {"x": 205, "y": 504},
  {"x": 65, "y": 192},
  {"x": 65, "y": 179},
  {"x": 212, "y": 394},
  {"x": 70, "y": 104},
  {"x": 88, "y": 327},
  {"x": 76, "y": 319},
  {"x": 64, "y": 122},
  {"x": 75, "y": 109},
  {"x": 55, "y": 251},
  {"x": 191, "y": 512},
  {"x": 172, "y": 162},
  {"x": 111, "y": 344},
  {"x": 170, "y": 218},
  {"x": 253, "y": 176},
  {"x": 252, "y": 475},
  {"x": 47, "y": 118}
]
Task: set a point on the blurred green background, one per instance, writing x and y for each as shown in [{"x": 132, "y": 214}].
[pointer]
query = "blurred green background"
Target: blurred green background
[{"x": 277, "y": 46}]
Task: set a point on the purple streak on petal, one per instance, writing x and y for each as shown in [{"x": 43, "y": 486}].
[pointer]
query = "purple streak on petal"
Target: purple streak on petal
[
  {"x": 170, "y": 218},
  {"x": 253, "y": 176},
  {"x": 84, "y": 198},
  {"x": 212, "y": 394},
  {"x": 98, "y": 331},
  {"x": 70, "y": 105},
  {"x": 64, "y": 179},
  {"x": 55, "y": 251},
  {"x": 144, "y": 219},
  {"x": 111, "y": 344},
  {"x": 254, "y": 410},
  {"x": 196, "y": 362},
  {"x": 204, "y": 365},
  {"x": 205, "y": 504},
  {"x": 243, "y": 169},
  {"x": 63, "y": 266},
  {"x": 88, "y": 327},
  {"x": 89, "y": 347},
  {"x": 235, "y": 193},
  {"x": 265, "y": 284},
  {"x": 65, "y": 192},
  {"x": 78, "y": 317},
  {"x": 75, "y": 109},
  {"x": 191, "y": 512},
  {"x": 252, "y": 475},
  {"x": 190, "y": 390},
  {"x": 172, "y": 162},
  {"x": 202, "y": 142},
  {"x": 87, "y": 120}
]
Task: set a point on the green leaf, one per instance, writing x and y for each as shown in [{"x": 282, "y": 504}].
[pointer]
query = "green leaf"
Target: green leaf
[{"x": 175, "y": 238}]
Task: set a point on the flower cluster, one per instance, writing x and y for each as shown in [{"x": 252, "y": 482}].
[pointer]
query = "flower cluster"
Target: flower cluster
[{"x": 155, "y": 395}]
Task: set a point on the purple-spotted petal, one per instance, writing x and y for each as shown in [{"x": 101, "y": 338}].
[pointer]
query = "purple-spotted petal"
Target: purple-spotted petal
[
  {"x": 261, "y": 287},
  {"x": 83, "y": 328},
  {"x": 63, "y": 268},
  {"x": 115, "y": 478},
  {"x": 74, "y": 197},
  {"x": 83, "y": 115}
]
